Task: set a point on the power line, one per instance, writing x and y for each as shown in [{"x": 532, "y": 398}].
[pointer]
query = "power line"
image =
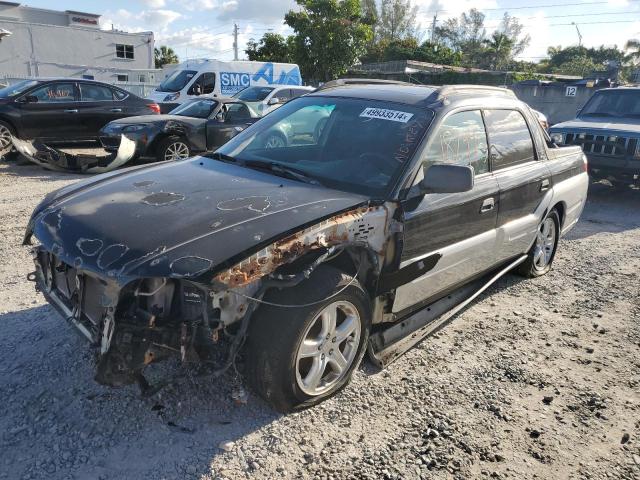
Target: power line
[{"x": 528, "y": 7}]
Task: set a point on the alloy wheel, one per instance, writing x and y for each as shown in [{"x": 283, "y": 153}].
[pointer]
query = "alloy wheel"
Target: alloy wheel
[
  {"x": 545, "y": 244},
  {"x": 176, "y": 151},
  {"x": 328, "y": 349},
  {"x": 5, "y": 140}
]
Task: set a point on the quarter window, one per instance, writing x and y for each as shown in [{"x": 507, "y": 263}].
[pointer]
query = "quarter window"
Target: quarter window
[
  {"x": 55, "y": 92},
  {"x": 460, "y": 140},
  {"x": 509, "y": 138},
  {"x": 124, "y": 51}
]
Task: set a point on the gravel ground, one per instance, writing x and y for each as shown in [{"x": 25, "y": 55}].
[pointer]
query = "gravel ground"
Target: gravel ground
[{"x": 537, "y": 379}]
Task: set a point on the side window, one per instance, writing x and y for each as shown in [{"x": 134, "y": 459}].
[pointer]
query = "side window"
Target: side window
[
  {"x": 296, "y": 92},
  {"x": 509, "y": 137},
  {"x": 55, "y": 92},
  {"x": 207, "y": 82},
  {"x": 95, "y": 93},
  {"x": 283, "y": 95},
  {"x": 460, "y": 140},
  {"x": 236, "y": 113}
]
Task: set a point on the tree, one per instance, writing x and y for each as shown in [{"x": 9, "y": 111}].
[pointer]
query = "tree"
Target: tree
[
  {"x": 498, "y": 51},
  {"x": 397, "y": 20},
  {"x": 633, "y": 46},
  {"x": 465, "y": 34},
  {"x": 164, "y": 55},
  {"x": 272, "y": 47},
  {"x": 330, "y": 36},
  {"x": 579, "y": 60}
]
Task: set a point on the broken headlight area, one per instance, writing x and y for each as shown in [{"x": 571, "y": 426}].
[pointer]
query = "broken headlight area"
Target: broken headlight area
[
  {"x": 146, "y": 321},
  {"x": 53, "y": 159}
]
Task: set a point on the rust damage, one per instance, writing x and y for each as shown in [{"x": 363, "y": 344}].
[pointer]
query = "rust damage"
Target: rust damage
[{"x": 366, "y": 225}]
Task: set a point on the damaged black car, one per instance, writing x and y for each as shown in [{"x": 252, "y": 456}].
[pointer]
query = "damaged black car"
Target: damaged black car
[
  {"x": 394, "y": 208},
  {"x": 196, "y": 126}
]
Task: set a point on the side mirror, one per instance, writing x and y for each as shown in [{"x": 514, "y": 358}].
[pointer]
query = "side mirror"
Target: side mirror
[
  {"x": 273, "y": 101},
  {"x": 442, "y": 178}
]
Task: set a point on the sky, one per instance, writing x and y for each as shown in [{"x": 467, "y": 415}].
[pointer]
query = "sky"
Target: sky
[{"x": 203, "y": 28}]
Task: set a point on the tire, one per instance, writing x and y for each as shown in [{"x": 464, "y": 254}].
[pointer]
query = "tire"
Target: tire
[
  {"x": 543, "y": 251},
  {"x": 279, "y": 369},
  {"x": 7, "y": 151},
  {"x": 173, "y": 143}
]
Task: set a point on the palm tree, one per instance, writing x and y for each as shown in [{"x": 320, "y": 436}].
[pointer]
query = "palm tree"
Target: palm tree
[
  {"x": 634, "y": 46},
  {"x": 164, "y": 55},
  {"x": 498, "y": 48}
]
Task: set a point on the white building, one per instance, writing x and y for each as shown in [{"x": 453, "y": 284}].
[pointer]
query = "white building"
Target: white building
[{"x": 37, "y": 42}]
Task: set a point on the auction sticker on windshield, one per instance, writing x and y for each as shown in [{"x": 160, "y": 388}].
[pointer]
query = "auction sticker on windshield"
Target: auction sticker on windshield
[{"x": 384, "y": 114}]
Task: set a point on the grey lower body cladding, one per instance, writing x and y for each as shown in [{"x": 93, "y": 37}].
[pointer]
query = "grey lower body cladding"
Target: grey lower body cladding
[{"x": 57, "y": 160}]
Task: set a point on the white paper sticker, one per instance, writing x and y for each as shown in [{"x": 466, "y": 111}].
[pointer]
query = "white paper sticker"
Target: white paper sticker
[{"x": 384, "y": 114}]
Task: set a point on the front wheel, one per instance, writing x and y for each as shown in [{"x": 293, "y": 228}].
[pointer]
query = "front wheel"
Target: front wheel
[
  {"x": 298, "y": 357},
  {"x": 173, "y": 148},
  {"x": 544, "y": 248}
]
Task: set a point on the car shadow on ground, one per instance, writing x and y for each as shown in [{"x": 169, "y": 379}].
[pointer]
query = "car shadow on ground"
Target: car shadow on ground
[
  {"x": 608, "y": 210},
  {"x": 91, "y": 430}
]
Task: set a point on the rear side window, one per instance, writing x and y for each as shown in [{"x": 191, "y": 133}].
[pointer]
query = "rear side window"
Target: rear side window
[
  {"x": 509, "y": 137},
  {"x": 95, "y": 93},
  {"x": 460, "y": 140},
  {"x": 284, "y": 94}
]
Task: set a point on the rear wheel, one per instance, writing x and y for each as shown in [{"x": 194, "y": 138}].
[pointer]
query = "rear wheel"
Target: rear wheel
[
  {"x": 544, "y": 248},
  {"x": 173, "y": 148},
  {"x": 298, "y": 357}
]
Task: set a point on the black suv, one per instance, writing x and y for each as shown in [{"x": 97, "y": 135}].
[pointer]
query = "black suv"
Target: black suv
[
  {"x": 404, "y": 205},
  {"x": 64, "y": 109}
]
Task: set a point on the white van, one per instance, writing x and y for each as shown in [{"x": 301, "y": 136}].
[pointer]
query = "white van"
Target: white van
[{"x": 215, "y": 78}]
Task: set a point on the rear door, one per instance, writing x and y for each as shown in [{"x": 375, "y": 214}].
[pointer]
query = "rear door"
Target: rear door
[
  {"x": 524, "y": 180},
  {"x": 54, "y": 113},
  {"x": 97, "y": 107},
  {"x": 458, "y": 227}
]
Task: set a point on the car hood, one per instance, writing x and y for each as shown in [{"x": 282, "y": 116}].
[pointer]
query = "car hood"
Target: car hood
[
  {"x": 180, "y": 219},
  {"x": 155, "y": 119},
  {"x": 610, "y": 124}
]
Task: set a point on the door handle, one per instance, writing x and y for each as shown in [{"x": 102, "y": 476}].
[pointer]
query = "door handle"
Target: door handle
[
  {"x": 71, "y": 110},
  {"x": 116, "y": 110},
  {"x": 487, "y": 205},
  {"x": 544, "y": 186}
]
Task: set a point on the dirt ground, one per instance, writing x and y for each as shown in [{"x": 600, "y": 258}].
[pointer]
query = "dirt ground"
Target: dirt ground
[{"x": 537, "y": 379}]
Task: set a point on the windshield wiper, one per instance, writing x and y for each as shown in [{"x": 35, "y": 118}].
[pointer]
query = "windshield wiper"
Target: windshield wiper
[
  {"x": 223, "y": 157},
  {"x": 282, "y": 170},
  {"x": 597, "y": 114}
]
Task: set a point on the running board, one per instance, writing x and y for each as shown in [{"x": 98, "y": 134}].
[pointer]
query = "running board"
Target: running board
[{"x": 389, "y": 344}]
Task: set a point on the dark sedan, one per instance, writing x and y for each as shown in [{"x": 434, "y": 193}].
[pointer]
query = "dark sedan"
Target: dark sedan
[
  {"x": 199, "y": 125},
  {"x": 64, "y": 109}
]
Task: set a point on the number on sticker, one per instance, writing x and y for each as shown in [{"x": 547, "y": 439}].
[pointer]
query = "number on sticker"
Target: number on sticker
[{"x": 385, "y": 114}]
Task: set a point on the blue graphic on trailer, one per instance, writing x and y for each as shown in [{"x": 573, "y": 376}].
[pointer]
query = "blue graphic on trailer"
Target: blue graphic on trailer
[{"x": 232, "y": 82}]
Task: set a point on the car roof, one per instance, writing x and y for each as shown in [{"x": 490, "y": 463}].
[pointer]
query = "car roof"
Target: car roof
[
  {"x": 419, "y": 95},
  {"x": 70, "y": 79}
]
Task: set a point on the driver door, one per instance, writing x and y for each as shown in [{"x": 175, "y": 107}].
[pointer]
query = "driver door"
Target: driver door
[
  {"x": 458, "y": 227},
  {"x": 226, "y": 123}
]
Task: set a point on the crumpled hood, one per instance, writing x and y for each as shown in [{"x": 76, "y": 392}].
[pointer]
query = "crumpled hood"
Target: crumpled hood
[
  {"x": 155, "y": 119},
  {"x": 608, "y": 124},
  {"x": 180, "y": 219}
]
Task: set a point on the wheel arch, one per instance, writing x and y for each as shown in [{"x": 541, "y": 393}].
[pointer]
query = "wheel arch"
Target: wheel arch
[
  {"x": 561, "y": 208},
  {"x": 11, "y": 123}
]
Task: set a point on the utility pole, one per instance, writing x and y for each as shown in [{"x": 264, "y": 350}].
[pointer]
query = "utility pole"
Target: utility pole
[
  {"x": 235, "y": 41},
  {"x": 579, "y": 34},
  {"x": 433, "y": 28}
]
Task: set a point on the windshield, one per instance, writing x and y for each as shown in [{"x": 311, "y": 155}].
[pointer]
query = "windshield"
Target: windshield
[
  {"x": 17, "y": 88},
  {"x": 197, "y": 108},
  {"x": 254, "y": 94},
  {"x": 613, "y": 103},
  {"x": 350, "y": 144},
  {"x": 176, "y": 81}
]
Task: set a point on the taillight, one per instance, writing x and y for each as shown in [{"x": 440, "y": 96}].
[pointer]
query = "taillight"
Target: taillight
[{"x": 155, "y": 108}]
